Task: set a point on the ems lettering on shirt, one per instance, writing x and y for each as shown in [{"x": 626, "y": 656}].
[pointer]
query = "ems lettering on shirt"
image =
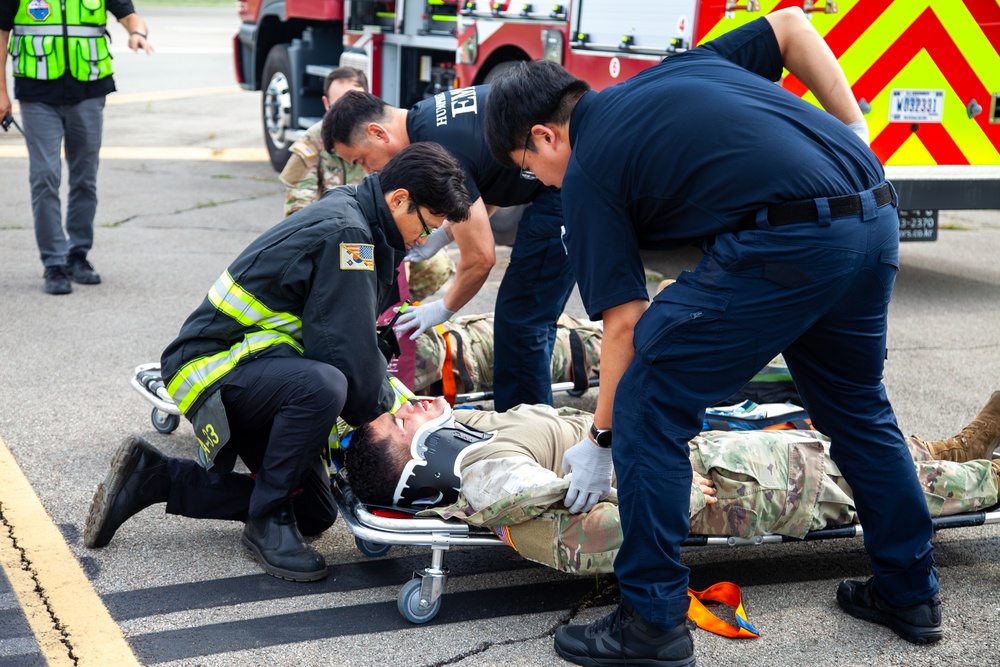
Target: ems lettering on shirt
[{"x": 462, "y": 101}]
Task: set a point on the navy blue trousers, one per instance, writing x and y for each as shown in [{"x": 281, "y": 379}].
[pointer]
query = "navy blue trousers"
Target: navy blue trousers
[
  {"x": 281, "y": 411},
  {"x": 532, "y": 296},
  {"x": 819, "y": 293}
]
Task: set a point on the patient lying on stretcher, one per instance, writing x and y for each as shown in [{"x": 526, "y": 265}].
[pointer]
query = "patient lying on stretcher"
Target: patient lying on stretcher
[{"x": 504, "y": 471}]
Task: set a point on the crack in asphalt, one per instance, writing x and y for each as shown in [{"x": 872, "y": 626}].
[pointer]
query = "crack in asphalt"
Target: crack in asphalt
[
  {"x": 196, "y": 207},
  {"x": 602, "y": 588},
  {"x": 39, "y": 590}
]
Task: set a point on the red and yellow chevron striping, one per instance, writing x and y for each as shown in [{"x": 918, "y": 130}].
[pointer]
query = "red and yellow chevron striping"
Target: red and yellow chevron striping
[{"x": 949, "y": 49}]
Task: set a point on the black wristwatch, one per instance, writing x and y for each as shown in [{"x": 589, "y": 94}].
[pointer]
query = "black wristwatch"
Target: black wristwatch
[{"x": 602, "y": 436}]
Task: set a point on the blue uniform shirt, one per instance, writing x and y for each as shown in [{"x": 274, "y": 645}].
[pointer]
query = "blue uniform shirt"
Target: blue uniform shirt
[
  {"x": 689, "y": 149},
  {"x": 454, "y": 120}
]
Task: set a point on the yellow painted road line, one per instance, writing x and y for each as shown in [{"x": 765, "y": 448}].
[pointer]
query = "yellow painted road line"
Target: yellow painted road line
[
  {"x": 117, "y": 99},
  {"x": 49, "y": 639},
  {"x": 190, "y": 153},
  {"x": 163, "y": 95},
  {"x": 48, "y": 581}
]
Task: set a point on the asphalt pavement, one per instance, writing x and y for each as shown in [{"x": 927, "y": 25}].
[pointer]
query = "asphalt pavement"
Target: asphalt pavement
[{"x": 184, "y": 187}]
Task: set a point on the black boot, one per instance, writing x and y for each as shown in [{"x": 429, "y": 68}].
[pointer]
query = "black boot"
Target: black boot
[
  {"x": 277, "y": 544},
  {"x": 80, "y": 270},
  {"x": 137, "y": 479}
]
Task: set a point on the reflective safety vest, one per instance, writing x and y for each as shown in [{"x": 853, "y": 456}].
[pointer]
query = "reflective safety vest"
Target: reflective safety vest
[
  {"x": 48, "y": 36},
  {"x": 264, "y": 328}
]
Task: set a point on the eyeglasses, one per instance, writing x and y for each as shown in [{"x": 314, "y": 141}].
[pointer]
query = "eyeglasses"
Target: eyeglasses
[
  {"x": 423, "y": 224},
  {"x": 526, "y": 174}
]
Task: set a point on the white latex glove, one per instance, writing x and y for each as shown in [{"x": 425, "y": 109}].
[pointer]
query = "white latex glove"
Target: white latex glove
[
  {"x": 591, "y": 480},
  {"x": 860, "y": 128},
  {"x": 423, "y": 317},
  {"x": 434, "y": 242}
]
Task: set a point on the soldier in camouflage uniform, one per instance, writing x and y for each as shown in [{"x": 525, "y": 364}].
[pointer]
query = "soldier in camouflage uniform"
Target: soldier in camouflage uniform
[
  {"x": 311, "y": 171},
  {"x": 746, "y": 483},
  {"x": 476, "y": 344}
]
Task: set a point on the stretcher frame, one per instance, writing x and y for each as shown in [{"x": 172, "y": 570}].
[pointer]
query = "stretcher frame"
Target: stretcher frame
[
  {"x": 377, "y": 530},
  {"x": 166, "y": 417}
]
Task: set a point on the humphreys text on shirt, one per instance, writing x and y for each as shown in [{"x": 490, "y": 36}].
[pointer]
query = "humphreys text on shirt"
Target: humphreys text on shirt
[{"x": 458, "y": 102}]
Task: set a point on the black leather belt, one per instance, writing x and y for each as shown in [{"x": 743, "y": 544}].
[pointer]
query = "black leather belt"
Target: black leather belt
[{"x": 805, "y": 211}]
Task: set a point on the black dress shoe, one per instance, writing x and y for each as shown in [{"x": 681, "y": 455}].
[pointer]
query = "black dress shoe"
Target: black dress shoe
[
  {"x": 276, "y": 543},
  {"x": 138, "y": 478},
  {"x": 56, "y": 280},
  {"x": 920, "y": 624},
  {"x": 623, "y": 637},
  {"x": 81, "y": 271}
]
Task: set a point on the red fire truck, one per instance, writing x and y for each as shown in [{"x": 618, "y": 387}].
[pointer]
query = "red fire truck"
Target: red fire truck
[{"x": 925, "y": 72}]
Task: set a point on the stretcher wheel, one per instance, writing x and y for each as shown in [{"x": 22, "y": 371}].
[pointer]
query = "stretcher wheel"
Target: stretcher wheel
[
  {"x": 164, "y": 422},
  {"x": 408, "y": 602},
  {"x": 576, "y": 393},
  {"x": 372, "y": 549}
]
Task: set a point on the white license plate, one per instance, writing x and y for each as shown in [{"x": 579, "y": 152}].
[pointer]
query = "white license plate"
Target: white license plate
[{"x": 916, "y": 106}]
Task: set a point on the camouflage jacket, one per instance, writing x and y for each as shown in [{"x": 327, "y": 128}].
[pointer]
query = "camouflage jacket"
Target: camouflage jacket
[{"x": 311, "y": 171}]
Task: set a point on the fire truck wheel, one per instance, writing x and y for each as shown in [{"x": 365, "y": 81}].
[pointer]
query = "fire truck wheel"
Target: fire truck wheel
[{"x": 276, "y": 105}]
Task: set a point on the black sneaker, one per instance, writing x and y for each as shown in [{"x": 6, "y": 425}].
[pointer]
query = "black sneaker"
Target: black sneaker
[
  {"x": 81, "y": 271},
  {"x": 56, "y": 280},
  {"x": 624, "y": 638},
  {"x": 920, "y": 624}
]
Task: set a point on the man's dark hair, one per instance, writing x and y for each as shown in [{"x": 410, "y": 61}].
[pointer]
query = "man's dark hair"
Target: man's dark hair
[
  {"x": 529, "y": 93},
  {"x": 373, "y": 466},
  {"x": 432, "y": 177},
  {"x": 345, "y": 74},
  {"x": 346, "y": 118}
]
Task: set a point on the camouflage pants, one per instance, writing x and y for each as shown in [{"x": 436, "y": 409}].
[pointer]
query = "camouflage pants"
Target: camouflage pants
[
  {"x": 470, "y": 341},
  {"x": 588, "y": 543},
  {"x": 427, "y": 277}
]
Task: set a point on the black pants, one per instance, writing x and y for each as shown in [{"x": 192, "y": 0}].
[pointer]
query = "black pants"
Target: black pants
[{"x": 281, "y": 411}]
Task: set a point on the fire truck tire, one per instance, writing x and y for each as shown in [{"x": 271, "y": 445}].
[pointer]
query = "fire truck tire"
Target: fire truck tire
[{"x": 276, "y": 105}]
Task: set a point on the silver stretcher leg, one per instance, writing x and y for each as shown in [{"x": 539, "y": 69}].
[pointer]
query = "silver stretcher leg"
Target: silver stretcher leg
[
  {"x": 419, "y": 600},
  {"x": 147, "y": 380}
]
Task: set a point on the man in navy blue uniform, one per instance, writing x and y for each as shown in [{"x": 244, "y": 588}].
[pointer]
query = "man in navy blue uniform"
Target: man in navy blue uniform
[
  {"x": 366, "y": 131},
  {"x": 800, "y": 234}
]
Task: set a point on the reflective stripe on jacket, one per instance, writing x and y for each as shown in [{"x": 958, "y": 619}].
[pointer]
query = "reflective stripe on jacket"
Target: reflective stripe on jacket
[{"x": 312, "y": 285}]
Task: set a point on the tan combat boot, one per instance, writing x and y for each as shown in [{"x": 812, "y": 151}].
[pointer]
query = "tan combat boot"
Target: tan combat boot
[{"x": 975, "y": 441}]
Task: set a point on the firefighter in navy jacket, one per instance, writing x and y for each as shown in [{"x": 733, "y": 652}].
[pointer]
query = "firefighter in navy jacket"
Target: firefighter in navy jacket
[{"x": 284, "y": 343}]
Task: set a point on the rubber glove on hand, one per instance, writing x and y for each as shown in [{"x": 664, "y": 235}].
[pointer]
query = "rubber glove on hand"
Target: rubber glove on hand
[
  {"x": 860, "y": 128},
  {"x": 591, "y": 481},
  {"x": 423, "y": 317},
  {"x": 434, "y": 242}
]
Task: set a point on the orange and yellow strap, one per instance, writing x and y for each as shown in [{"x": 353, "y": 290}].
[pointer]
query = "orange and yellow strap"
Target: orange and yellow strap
[
  {"x": 726, "y": 593},
  {"x": 448, "y": 387}
]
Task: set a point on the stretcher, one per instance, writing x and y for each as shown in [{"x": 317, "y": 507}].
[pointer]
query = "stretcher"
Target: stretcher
[
  {"x": 147, "y": 380},
  {"x": 377, "y": 529}
]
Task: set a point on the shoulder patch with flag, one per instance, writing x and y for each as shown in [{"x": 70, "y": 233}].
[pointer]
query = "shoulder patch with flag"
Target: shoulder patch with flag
[
  {"x": 303, "y": 148},
  {"x": 357, "y": 257}
]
